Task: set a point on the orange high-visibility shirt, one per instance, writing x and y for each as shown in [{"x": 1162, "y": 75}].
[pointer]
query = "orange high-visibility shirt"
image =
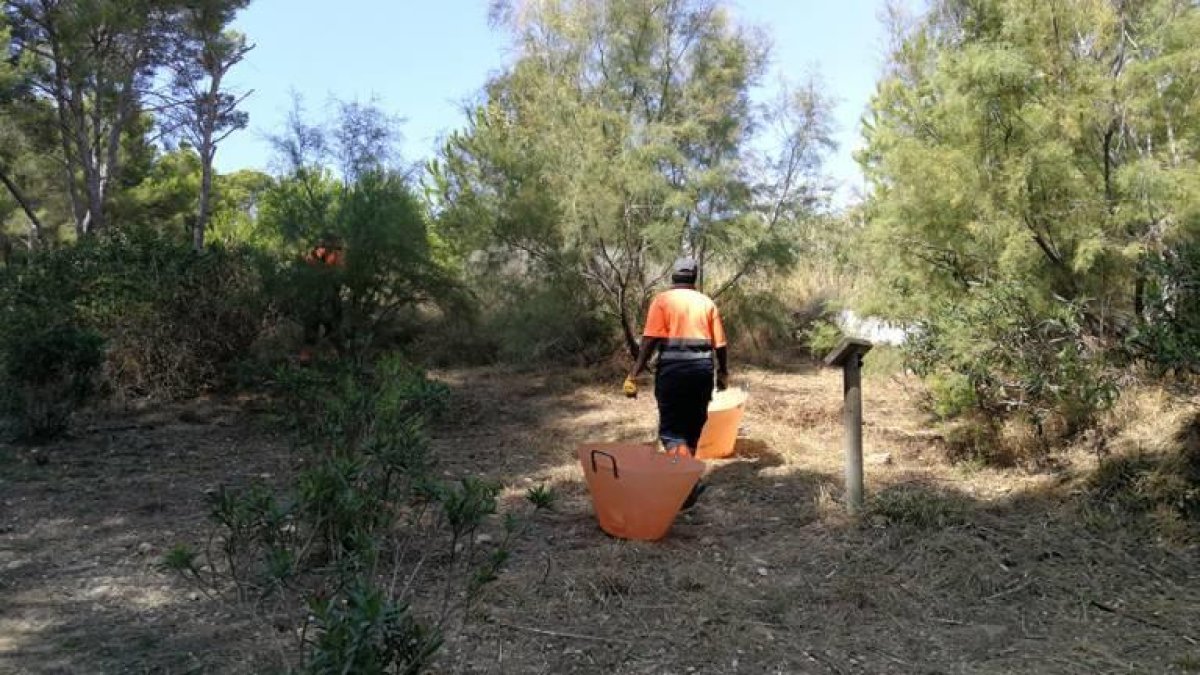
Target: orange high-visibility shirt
[
  {"x": 687, "y": 319},
  {"x": 330, "y": 257}
]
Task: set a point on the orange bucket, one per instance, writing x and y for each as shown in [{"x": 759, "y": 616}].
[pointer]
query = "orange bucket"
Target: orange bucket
[
  {"x": 637, "y": 491},
  {"x": 721, "y": 430}
]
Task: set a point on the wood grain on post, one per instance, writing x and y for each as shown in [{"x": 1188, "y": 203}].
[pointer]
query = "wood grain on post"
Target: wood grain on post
[{"x": 849, "y": 355}]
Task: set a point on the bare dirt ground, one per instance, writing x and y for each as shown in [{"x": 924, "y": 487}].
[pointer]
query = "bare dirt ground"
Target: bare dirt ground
[{"x": 954, "y": 570}]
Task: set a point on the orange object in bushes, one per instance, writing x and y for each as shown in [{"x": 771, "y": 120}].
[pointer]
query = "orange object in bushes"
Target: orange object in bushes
[
  {"x": 719, "y": 437},
  {"x": 637, "y": 491}
]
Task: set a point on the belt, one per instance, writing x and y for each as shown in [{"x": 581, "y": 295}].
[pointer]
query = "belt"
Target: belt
[
  {"x": 686, "y": 349},
  {"x": 669, "y": 356}
]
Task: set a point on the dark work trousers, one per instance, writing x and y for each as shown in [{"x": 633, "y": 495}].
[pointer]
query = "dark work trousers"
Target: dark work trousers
[
  {"x": 325, "y": 317},
  {"x": 683, "y": 390}
]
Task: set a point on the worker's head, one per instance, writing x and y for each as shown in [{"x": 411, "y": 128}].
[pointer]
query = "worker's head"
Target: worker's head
[
  {"x": 685, "y": 272},
  {"x": 329, "y": 239}
]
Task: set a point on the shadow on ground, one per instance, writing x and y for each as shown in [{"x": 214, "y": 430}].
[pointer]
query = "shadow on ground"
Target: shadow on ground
[
  {"x": 769, "y": 575},
  {"x": 766, "y": 575},
  {"x": 84, "y": 523}
]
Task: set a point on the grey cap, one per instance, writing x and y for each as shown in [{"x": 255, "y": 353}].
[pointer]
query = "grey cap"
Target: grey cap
[{"x": 684, "y": 266}]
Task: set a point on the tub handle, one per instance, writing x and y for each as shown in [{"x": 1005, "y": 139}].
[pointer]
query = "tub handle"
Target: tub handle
[{"x": 610, "y": 458}]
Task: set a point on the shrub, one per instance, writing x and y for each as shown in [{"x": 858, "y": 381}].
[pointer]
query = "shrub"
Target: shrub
[
  {"x": 363, "y": 512},
  {"x": 542, "y": 497},
  {"x": 176, "y": 320},
  {"x": 1164, "y": 486},
  {"x": 952, "y": 394},
  {"x": 365, "y": 631},
  {"x": 538, "y": 323},
  {"x": 822, "y": 337},
  {"x": 1004, "y": 354},
  {"x": 1168, "y": 333},
  {"x": 388, "y": 267},
  {"x": 48, "y": 373},
  {"x": 172, "y": 321},
  {"x": 48, "y": 356}
]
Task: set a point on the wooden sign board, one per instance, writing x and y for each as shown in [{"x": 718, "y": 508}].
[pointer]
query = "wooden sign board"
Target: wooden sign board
[{"x": 845, "y": 349}]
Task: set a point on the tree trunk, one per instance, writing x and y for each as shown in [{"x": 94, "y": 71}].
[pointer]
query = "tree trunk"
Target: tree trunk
[
  {"x": 93, "y": 220},
  {"x": 34, "y": 223},
  {"x": 631, "y": 341},
  {"x": 206, "y": 179}
]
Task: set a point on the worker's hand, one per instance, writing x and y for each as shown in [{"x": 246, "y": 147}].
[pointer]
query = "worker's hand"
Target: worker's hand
[
  {"x": 722, "y": 380},
  {"x": 630, "y": 387}
]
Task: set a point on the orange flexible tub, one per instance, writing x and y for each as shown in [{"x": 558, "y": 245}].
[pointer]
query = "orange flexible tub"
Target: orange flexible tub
[
  {"x": 721, "y": 430},
  {"x": 636, "y": 490}
]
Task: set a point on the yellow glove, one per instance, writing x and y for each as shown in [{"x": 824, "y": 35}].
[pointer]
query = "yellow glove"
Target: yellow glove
[{"x": 630, "y": 387}]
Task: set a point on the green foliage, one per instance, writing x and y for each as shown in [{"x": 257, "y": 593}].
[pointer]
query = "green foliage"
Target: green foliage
[
  {"x": 466, "y": 504},
  {"x": 953, "y": 394},
  {"x": 374, "y": 214},
  {"x": 178, "y": 320},
  {"x": 49, "y": 355},
  {"x": 541, "y": 496},
  {"x": 534, "y": 323},
  {"x": 1023, "y": 187},
  {"x": 1169, "y": 337},
  {"x": 1005, "y": 354},
  {"x": 365, "y": 631},
  {"x": 594, "y": 159},
  {"x": 48, "y": 373},
  {"x": 821, "y": 338},
  {"x": 362, "y": 512},
  {"x": 162, "y": 196},
  {"x": 759, "y": 323},
  {"x": 239, "y": 197},
  {"x": 170, "y": 322},
  {"x": 94, "y": 68},
  {"x": 181, "y": 558}
]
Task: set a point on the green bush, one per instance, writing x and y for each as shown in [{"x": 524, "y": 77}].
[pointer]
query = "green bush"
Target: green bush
[
  {"x": 49, "y": 356},
  {"x": 365, "y": 631},
  {"x": 952, "y": 394},
  {"x": 176, "y": 321},
  {"x": 388, "y": 268},
  {"x": 822, "y": 337},
  {"x": 363, "y": 511},
  {"x": 48, "y": 373},
  {"x": 534, "y": 323},
  {"x": 1008, "y": 355},
  {"x": 172, "y": 321},
  {"x": 1168, "y": 334}
]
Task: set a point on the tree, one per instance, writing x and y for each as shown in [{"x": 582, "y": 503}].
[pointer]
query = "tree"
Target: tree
[
  {"x": 622, "y": 136},
  {"x": 371, "y": 208},
  {"x": 1027, "y": 161},
  {"x": 201, "y": 110},
  {"x": 93, "y": 61},
  {"x": 12, "y": 77},
  {"x": 1055, "y": 144}
]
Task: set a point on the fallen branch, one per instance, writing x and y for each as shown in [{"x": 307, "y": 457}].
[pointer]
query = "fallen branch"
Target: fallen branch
[
  {"x": 559, "y": 634},
  {"x": 1144, "y": 622}
]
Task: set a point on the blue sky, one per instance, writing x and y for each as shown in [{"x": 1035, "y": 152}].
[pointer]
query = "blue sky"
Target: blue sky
[{"x": 421, "y": 58}]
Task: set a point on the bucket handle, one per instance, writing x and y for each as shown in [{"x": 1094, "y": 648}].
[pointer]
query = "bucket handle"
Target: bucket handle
[{"x": 610, "y": 458}]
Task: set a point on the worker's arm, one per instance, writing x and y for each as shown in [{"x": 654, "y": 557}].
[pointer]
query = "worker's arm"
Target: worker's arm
[
  {"x": 722, "y": 368},
  {"x": 649, "y": 345}
]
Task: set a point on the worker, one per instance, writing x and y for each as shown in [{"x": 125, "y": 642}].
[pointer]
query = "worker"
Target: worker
[
  {"x": 325, "y": 311},
  {"x": 683, "y": 327}
]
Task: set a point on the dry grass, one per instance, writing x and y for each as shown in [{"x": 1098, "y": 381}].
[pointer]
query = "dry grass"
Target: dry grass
[{"x": 954, "y": 569}]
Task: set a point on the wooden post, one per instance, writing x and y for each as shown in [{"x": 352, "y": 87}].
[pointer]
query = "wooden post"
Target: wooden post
[{"x": 849, "y": 355}]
